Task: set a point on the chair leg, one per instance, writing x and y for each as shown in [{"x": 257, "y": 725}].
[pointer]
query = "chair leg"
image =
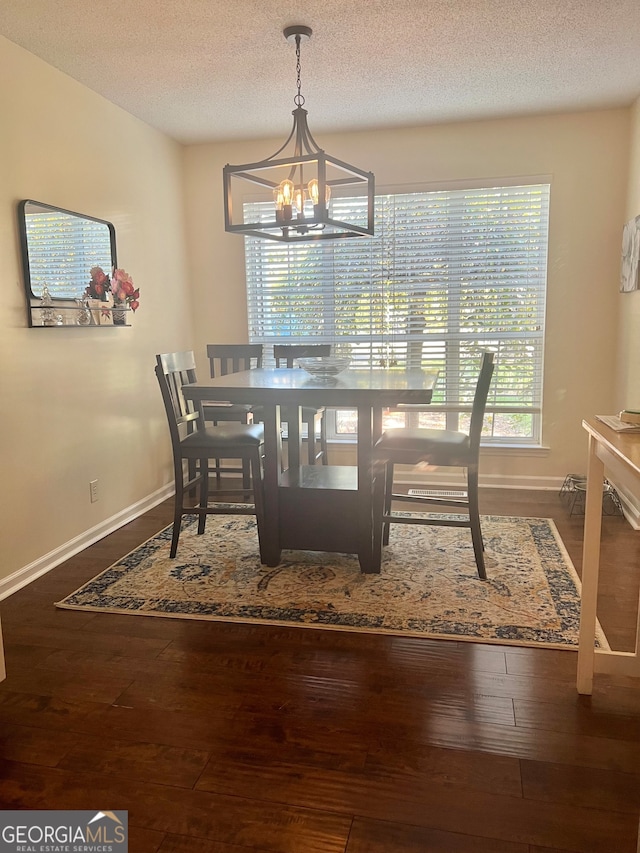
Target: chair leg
[
  {"x": 191, "y": 468},
  {"x": 388, "y": 491},
  {"x": 324, "y": 445},
  {"x": 246, "y": 464},
  {"x": 177, "y": 509},
  {"x": 246, "y": 477},
  {"x": 379, "y": 494},
  {"x": 311, "y": 440},
  {"x": 474, "y": 516},
  {"x": 255, "y": 463},
  {"x": 204, "y": 495}
]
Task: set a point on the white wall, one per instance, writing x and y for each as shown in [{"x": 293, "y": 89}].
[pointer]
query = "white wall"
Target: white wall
[
  {"x": 586, "y": 158},
  {"x": 83, "y": 404},
  {"x": 628, "y": 386}
]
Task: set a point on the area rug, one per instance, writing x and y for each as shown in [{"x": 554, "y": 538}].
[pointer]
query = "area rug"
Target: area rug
[{"x": 428, "y": 585}]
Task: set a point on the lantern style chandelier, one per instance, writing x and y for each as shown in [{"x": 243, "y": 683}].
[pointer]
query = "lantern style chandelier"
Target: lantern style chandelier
[{"x": 300, "y": 192}]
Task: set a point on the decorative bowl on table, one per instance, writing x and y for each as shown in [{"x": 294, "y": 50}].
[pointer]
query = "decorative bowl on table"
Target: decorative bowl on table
[{"x": 325, "y": 367}]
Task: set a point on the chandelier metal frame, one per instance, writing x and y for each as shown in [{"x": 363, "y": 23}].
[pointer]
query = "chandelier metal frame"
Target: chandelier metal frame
[{"x": 310, "y": 178}]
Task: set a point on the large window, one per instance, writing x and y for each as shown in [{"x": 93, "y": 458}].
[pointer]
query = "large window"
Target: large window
[{"x": 448, "y": 275}]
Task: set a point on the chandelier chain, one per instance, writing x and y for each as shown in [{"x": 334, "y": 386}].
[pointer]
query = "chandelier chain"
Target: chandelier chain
[{"x": 299, "y": 99}]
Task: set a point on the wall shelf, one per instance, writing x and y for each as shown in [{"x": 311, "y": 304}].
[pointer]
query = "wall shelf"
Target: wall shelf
[{"x": 67, "y": 316}]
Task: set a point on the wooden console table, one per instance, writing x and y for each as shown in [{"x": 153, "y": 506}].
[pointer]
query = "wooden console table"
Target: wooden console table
[{"x": 619, "y": 454}]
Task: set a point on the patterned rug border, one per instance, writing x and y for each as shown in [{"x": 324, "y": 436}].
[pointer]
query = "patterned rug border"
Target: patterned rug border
[{"x": 601, "y": 640}]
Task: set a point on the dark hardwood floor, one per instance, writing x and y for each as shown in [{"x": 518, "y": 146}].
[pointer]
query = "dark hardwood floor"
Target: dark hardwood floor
[{"x": 235, "y": 739}]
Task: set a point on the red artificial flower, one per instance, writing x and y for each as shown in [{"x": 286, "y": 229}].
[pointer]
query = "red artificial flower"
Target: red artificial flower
[
  {"x": 124, "y": 290},
  {"x": 99, "y": 283}
]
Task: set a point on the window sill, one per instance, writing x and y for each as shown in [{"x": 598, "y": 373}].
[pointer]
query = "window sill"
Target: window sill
[{"x": 515, "y": 449}]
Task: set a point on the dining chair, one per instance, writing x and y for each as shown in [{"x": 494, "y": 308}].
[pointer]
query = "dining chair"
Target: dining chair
[
  {"x": 225, "y": 359},
  {"x": 285, "y": 355},
  {"x": 196, "y": 443},
  {"x": 441, "y": 448}
]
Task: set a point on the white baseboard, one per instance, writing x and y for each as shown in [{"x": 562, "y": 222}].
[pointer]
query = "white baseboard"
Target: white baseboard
[
  {"x": 44, "y": 564},
  {"x": 438, "y": 479},
  {"x": 629, "y": 505},
  {"x": 428, "y": 479}
]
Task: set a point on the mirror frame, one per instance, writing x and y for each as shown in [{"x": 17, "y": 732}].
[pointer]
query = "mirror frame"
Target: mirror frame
[{"x": 67, "y": 306}]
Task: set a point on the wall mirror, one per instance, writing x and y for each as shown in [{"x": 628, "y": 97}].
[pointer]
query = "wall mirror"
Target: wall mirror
[{"x": 59, "y": 248}]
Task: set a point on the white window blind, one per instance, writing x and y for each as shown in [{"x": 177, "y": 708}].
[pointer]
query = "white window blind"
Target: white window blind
[{"x": 448, "y": 275}]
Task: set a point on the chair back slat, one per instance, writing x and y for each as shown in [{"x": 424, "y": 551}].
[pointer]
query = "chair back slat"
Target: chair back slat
[
  {"x": 288, "y": 353},
  {"x": 173, "y": 370},
  {"x": 480, "y": 399},
  {"x": 233, "y": 358}
]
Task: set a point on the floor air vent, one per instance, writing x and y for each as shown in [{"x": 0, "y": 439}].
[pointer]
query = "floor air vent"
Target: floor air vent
[{"x": 436, "y": 493}]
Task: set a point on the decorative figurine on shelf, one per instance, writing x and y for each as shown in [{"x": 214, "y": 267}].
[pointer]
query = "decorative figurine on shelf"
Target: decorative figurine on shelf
[
  {"x": 84, "y": 312},
  {"x": 46, "y": 312}
]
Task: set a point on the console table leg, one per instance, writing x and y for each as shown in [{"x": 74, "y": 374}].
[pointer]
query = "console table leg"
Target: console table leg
[{"x": 590, "y": 569}]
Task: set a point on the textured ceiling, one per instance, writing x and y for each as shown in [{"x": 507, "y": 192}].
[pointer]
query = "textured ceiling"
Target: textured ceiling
[{"x": 221, "y": 69}]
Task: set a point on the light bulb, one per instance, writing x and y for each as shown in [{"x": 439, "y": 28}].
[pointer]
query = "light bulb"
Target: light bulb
[
  {"x": 282, "y": 196},
  {"x": 314, "y": 191},
  {"x": 299, "y": 201},
  {"x": 287, "y": 189}
]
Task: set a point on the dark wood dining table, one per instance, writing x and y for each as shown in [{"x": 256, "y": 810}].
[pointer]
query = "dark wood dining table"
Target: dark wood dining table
[{"x": 318, "y": 507}]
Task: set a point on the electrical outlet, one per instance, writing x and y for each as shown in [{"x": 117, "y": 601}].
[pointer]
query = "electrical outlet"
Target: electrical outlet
[{"x": 93, "y": 490}]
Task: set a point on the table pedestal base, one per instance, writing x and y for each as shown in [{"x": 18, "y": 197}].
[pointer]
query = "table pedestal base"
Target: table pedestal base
[{"x": 318, "y": 511}]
